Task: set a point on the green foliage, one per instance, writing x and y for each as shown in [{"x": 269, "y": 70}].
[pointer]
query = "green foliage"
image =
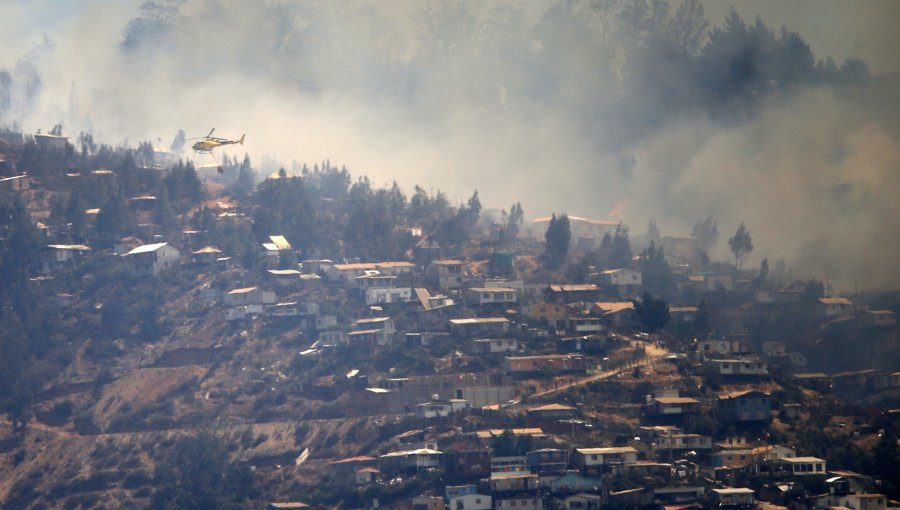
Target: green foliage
[
  {"x": 706, "y": 233},
  {"x": 556, "y": 241},
  {"x": 197, "y": 474},
  {"x": 741, "y": 244},
  {"x": 653, "y": 313},
  {"x": 655, "y": 271}
]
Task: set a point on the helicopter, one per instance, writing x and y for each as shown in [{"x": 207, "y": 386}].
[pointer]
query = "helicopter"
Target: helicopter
[{"x": 209, "y": 142}]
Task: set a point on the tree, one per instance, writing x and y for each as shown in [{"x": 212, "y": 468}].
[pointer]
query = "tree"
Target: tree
[
  {"x": 702, "y": 323},
  {"x": 655, "y": 271},
  {"x": 706, "y": 233},
  {"x": 652, "y": 312},
  {"x": 653, "y": 233},
  {"x": 556, "y": 241},
  {"x": 741, "y": 244}
]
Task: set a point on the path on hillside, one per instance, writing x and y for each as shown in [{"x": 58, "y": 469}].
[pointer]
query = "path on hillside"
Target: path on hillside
[{"x": 652, "y": 354}]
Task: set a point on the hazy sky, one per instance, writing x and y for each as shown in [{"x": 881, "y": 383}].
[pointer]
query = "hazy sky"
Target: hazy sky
[{"x": 814, "y": 177}]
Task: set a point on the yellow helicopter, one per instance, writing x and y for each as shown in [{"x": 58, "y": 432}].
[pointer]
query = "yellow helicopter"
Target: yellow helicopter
[{"x": 210, "y": 142}]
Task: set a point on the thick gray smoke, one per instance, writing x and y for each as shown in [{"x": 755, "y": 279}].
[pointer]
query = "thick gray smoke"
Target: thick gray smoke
[{"x": 601, "y": 109}]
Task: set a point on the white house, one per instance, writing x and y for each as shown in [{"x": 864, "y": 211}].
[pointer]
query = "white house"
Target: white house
[
  {"x": 592, "y": 461},
  {"x": 739, "y": 367},
  {"x": 447, "y": 274},
  {"x": 388, "y": 295},
  {"x": 153, "y": 258},
  {"x": 482, "y": 296},
  {"x": 61, "y": 255},
  {"x": 249, "y": 296},
  {"x": 803, "y": 466},
  {"x": 441, "y": 408},
  {"x": 495, "y": 345},
  {"x": 465, "y": 497},
  {"x": 620, "y": 282}
]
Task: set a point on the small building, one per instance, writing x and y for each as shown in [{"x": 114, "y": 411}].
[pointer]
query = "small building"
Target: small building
[
  {"x": 619, "y": 315},
  {"x": 466, "y": 497},
  {"x": 671, "y": 406},
  {"x": 744, "y": 406},
  {"x": 388, "y": 295},
  {"x": 514, "y": 482},
  {"x": 596, "y": 461},
  {"x": 15, "y": 183},
  {"x": 343, "y": 471},
  {"x": 547, "y": 461},
  {"x": 487, "y": 296},
  {"x": 683, "y": 314},
  {"x": 549, "y": 364},
  {"x": 446, "y": 274},
  {"x": 150, "y": 259},
  {"x": 375, "y": 331},
  {"x": 495, "y": 345},
  {"x": 621, "y": 283},
  {"x": 207, "y": 255},
  {"x": 584, "y": 501},
  {"x": 831, "y": 307},
  {"x": 738, "y": 367},
  {"x": 249, "y": 296},
  {"x": 571, "y": 482},
  {"x": 564, "y": 294},
  {"x": 62, "y": 256},
  {"x": 479, "y": 326},
  {"x": 551, "y": 412},
  {"x": 732, "y": 498},
  {"x": 55, "y": 143},
  {"x": 441, "y": 408},
  {"x": 803, "y": 466},
  {"x": 878, "y": 318},
  {"x": 519, "y": 502},
  {"x": 411, "y": 460}
]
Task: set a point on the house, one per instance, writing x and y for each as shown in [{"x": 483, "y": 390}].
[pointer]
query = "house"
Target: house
[
  {"x": 803, "y": 466},
  {"x": 674, "y": 406},
  {"x": 367, "y": 475},
  {"x": 374, "y": 331},
  {"x": 249, "y": 296},
  {"x": 519, "y": 502},
  {"x": 619, "y": 315},
  {"x": 596, "y": 461},
  {"x": 814, "y": 380},
  {"x": 207, "y": 255},
  {"x": 56, "y": 143},
  {"x": 61, "y": 256},
  {"x": 514, "y": 481},
  {"x": 683, "y": 314},
  {"x": 733, "y": 498},
  {"x": 851, "y": 501},
  {"x": 14, "y": 183},
  {"x": 723, "y": 347},
  {"x": 446, "y": 274},
  {"x": 831, "y": 307},
  {"x": 744, "y": 406},
  {"x": 679, "y": 442},
  {"x": 738, "y": 367},
  {"x": 388, "y": 296},
  {"x": 547, "y": 461},
  {"x": 583, "y": 325},
  {"x": 288, "y": 278},
  {"x": 487, "y": 296},
  {"x": 564, "y": 294},
  {"x": 289, "y": 505},
  {"x": 472, "y": 461},
  {"x": 486, "y": 326},
  {"x": 495, "y": 345},
  {"x": 732, "y": 458},
  {"x": 441, "y": 408},
  {"x": 150, "y": 259},
  {"x": 544, "y": 312},
  {"x": 549, "y": 364},
  {"x": 584, "y": 501},
  {"x": 878, "y": 318},
  {"x": 374, "y": 280},
  {"x": 551, "y": 412},
  {"x": 343, "y": 471},
  {"x": 424, "y": 503},
  {"x": 411, "y": 460},
  {"x": 621, "y": 283},
  {"x": 574, "y": 482},
  {"x": 466, "y": 497},
  {"x": 509, "y": 464}
]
